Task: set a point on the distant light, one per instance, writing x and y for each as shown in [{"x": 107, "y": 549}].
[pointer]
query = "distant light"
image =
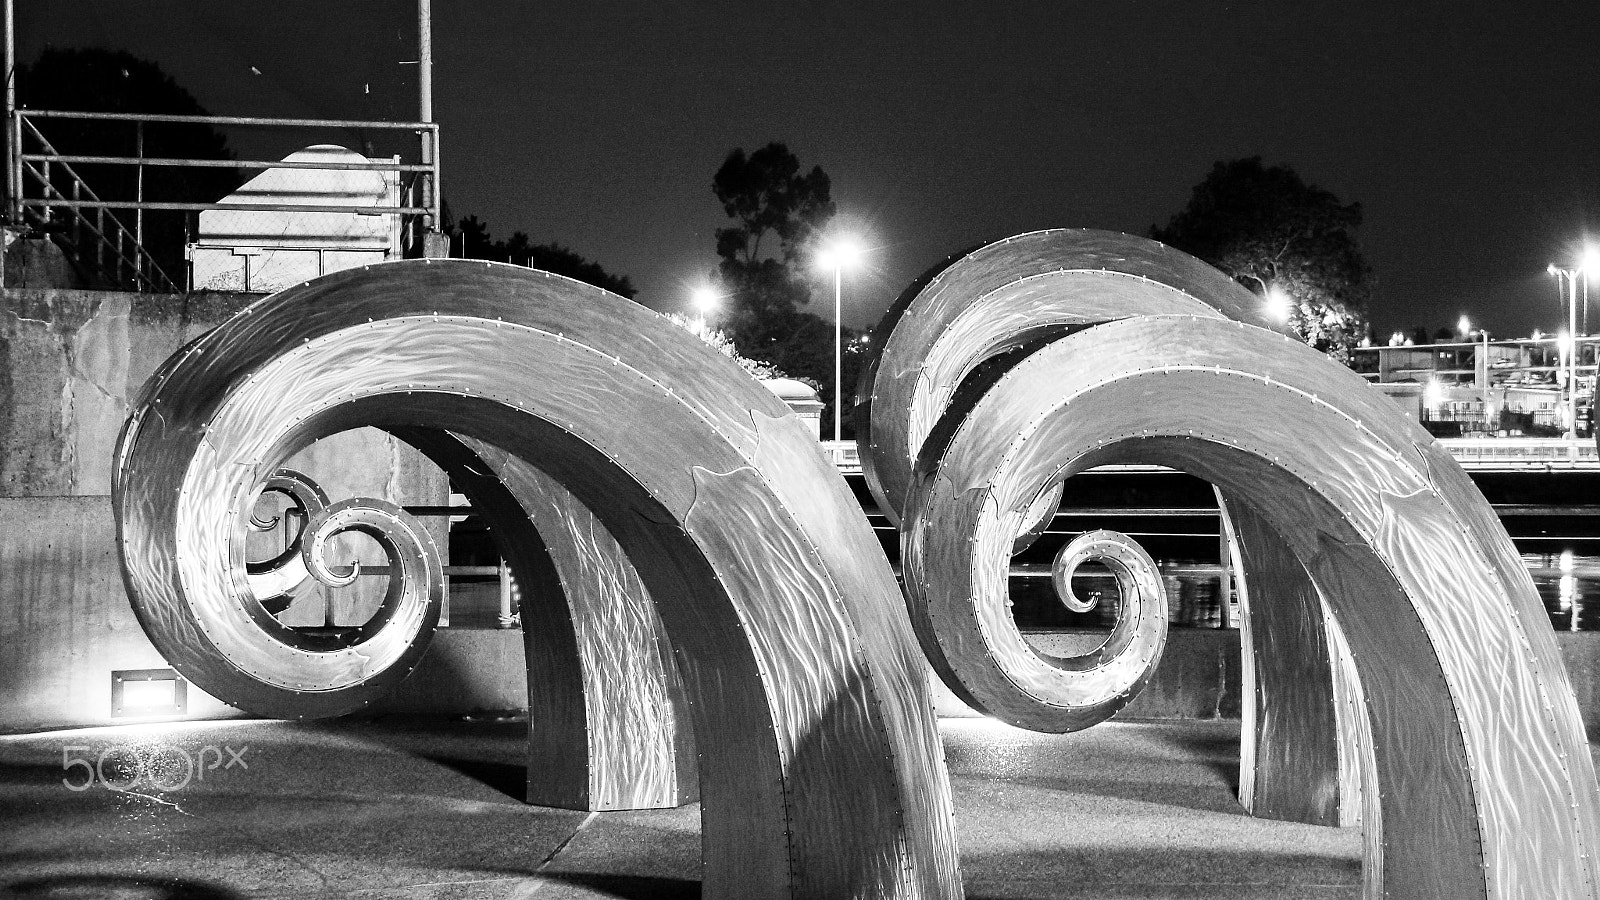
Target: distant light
[
  {"x": 705, "y": 300},
  {"x": 1552, "y": 270},
  {"x": 1566, "y": 562},
  {"x": 1537, "y": 335},
  {"x": 1278, "y": 304},
  {"x": 1433, "y": 395},
  {"x": 1410, "y": 343},
  {"x": 1464, "y": 324},
  {"x": 1366, "y": 340},
  {"x": 1564, "y": 341},
  {"x": 839, "y": 253},
  {"x": 1397, "y": 339},
  {"x": 1590, "y": 264}
]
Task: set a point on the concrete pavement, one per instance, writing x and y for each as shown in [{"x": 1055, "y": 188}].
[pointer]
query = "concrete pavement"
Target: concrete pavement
[{"x": 428, "y": 808}]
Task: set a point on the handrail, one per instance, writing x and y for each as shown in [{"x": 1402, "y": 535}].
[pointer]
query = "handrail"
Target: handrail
[
  {"x": 229, "y": 163},
  {"x": 142, "y": 256},
  {"x": 116, "y": 249},
  {"x": 236, "y": 207},
  {"x": 225, "y": 120},
  {"x": 423, "y": 191}
]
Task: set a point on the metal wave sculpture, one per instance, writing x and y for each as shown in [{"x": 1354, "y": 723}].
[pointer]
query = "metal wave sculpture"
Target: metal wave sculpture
[
  {"x": 274, "y": 582},
  {"x": 944, "y": 344},
  {"x": 820, "y": 771},
  {"x": 608, "y": 719},
  {"x": 1031, "y": 360}
]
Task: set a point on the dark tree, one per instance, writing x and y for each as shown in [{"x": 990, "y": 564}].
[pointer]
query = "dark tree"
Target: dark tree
[
  {"x": 95, "y": 80},
  {"x": 471, "y": 240},
  {"x": 555, "y": 258},
  {"x": 1267, "y": 228},
  {"x": 778, "y": 212}
]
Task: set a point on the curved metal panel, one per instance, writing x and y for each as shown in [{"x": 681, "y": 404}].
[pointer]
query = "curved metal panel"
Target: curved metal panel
[
  {"x": 948, "y": 344},
  {"x": 821, "y": 772},
  {"x": 1292, "y": 769},
  {"x": 1485, "y": 783},
  {"x": 1009, "y": 296},
  {"x": 607, "y": 720},
  {"x": 274, "y": 581},
  {"x": 639, "y": 749}
]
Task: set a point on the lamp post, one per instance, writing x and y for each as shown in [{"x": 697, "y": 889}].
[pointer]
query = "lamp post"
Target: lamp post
[
  {"x": 835, "y": 255},
  {"x": 1569, "y": 343}
]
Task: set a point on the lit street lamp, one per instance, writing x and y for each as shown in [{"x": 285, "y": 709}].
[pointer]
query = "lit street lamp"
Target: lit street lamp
[
  {"x": 1589, "y": 263},
  {"x": 1278, "y": 304},
  {"x": 836, "y": 255},
  {"x": 704, "y": 300}
]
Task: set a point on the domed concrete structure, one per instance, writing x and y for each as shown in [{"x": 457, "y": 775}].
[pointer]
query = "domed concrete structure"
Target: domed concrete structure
[{"x": 802, "y": 398}]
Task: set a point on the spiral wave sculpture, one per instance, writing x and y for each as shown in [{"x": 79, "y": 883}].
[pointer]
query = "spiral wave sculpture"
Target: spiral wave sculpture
[
  {"x": 274, "y": 582},
  {"x": 820, "y": 771},
  {"x": 1031, "y": 360},
  {"x": 687, "y": 557}
]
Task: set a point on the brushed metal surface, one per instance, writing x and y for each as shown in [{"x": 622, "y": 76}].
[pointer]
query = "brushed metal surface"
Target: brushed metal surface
[
  {"x": 946, "y": 344},
  {"x": 1291, "y": 771},
  {"x": 1484, "y": 782},
  {"x": 639, "y": 747},
  {"x": 820, "y": 769},
  {"x": 988, "y": 663},
  {"x": 1007, "y": 296},
  {"x": 608, "y": 721},
  {"x": 274, "y": 581}
]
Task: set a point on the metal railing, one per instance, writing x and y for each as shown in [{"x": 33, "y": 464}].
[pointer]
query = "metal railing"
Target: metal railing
[
  {"x": 42, "y": 183},
  {"x": 141, "y": 268},
  {"x": 1471, "y": 453}
]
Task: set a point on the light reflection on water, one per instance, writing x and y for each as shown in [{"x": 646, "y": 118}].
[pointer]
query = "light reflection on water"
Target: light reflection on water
[{"x": 1569, "y": 585}]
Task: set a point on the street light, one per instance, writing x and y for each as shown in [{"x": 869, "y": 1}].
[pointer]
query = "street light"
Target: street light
[
  {"x": 1278, "y": 304},
  {"x": 836, "y": 255},
  {"x": 704, "y": 301},
  {"x": 1589, "y": 263}
]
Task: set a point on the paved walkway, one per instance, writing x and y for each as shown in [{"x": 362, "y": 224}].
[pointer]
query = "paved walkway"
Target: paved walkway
[{"x": 429, "y": 810}]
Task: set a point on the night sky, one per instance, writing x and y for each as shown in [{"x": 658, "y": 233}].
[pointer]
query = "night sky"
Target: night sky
[{"x": 1469, "y": 132}]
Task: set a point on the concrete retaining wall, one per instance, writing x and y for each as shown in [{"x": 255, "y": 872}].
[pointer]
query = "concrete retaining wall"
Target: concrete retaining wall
[{"x": 71, "y": 364}]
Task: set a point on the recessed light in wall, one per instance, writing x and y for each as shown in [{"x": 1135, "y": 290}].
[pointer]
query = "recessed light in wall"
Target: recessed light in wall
[{"x": 136, "y": 693}]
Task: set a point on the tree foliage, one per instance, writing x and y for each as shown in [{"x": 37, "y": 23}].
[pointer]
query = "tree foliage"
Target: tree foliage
[
  {"x": 723, "y": 344},
  {"x": 96, "y": 80},
  {"x": 1267, "y": 228},
  {"x": 472, "y": 240},
  {"x": 778, "y": 211}
]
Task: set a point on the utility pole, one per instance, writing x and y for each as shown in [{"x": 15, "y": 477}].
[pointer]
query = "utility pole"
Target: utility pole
[
  {"x": 14, "y": 139},
  {"x": 434, "y": 242},
  {"x": 424, "y": 59},
  {"x": 13, "y": 207}
]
